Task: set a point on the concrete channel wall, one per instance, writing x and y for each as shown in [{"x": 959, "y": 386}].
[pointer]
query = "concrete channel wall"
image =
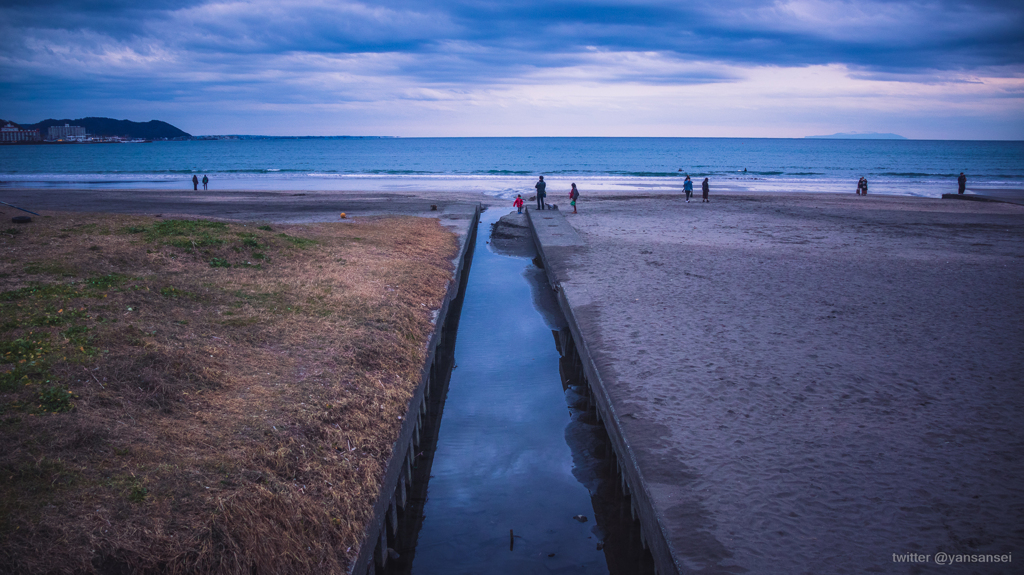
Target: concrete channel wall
[
  {"x": 427, "y": 401},
  {"x": 556, "y": 240}
]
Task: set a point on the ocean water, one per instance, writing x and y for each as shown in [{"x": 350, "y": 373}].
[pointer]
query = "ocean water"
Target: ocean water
[{"x": 503, "y": 167}]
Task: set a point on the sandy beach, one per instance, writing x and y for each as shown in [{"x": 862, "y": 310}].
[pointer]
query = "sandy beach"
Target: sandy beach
[
  {"x": 281, "y": 206},
  {"x": 813, "y": 383}
]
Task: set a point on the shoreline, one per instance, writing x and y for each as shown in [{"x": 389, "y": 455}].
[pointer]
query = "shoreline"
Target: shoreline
[
  {"x": 279, "y": 206},
  {"x": 503, "y": 167},
  {"x": 497, "y": 187},
  {"x": 307, "y": 206}
]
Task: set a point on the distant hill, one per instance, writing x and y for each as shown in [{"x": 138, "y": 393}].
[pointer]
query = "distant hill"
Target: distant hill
[
  {"x": 858, "y": 136},
  {"x": 151, "y": 130}
]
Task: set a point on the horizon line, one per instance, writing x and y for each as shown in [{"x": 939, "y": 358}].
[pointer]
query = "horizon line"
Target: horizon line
[{"x": 829, "y": 137}]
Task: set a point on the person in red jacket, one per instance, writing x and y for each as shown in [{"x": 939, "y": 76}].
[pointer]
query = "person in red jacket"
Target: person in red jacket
[
  {"x": 518, "y": 204},
  {"x": 573, "y": 194}
]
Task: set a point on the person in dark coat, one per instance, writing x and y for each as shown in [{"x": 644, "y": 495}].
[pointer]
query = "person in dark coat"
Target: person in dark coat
[
  {"x": 195, "y": 183},
  {"x": 205, "y": 181},
  {"x": 961, "y": 183},
  {"x": 541, "y": 193},
  {"x": 704, "y": 188}
]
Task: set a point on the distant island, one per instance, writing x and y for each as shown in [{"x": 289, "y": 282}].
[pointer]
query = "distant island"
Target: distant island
[
  {"x": 858, "y": 136},
  {"x": 110, "y": 128}
]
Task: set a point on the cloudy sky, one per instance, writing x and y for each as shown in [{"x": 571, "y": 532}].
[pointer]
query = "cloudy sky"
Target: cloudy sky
[{"x": 789, "y": 68}]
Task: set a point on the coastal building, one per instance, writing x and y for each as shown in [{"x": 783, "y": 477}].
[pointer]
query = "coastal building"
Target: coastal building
[
  {"x": 65, "y": 132},
  {"x": 12, "y": 133}
]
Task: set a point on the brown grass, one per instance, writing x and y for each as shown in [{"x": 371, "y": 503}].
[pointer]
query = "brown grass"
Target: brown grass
[{"x": 219, "y": 400}]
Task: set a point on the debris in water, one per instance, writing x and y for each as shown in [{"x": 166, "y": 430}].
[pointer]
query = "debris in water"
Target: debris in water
[{"x": 580, "y": 518}]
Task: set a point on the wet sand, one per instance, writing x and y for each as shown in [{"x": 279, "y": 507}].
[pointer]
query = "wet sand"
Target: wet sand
[
  {"x": 811, "y": 383},
  {"x": 282, "y": 206}
]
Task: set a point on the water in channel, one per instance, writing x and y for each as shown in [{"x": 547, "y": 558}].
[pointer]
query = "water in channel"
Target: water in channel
[{"x": 502, "y": 495}]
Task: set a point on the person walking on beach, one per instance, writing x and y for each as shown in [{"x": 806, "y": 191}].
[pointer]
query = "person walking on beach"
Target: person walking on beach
[
  {"x": 195, "y": 183},
  {"x": 518, "y": 204},
  {"x": 705, "y": 188},
  {"x": 205, "y": 181},
  {"x": 961, "y": 183},
  {"x": 688, "y": 188},
  {"x": 573, "y": 194},
  {"x": 541, "y": 193}
]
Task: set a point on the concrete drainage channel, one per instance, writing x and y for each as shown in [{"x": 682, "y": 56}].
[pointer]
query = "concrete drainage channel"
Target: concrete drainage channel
[
  {"x": 513, "y": 479},
  {"x": 405, "y": 478},
  {"x": 559, "y": 237}
]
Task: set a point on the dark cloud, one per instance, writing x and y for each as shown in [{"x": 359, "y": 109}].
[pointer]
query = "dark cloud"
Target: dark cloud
[
  {"x": 874, "y": 34},
  {"x": 184, "y": 50},
  {"x": 880, "y": 35}
]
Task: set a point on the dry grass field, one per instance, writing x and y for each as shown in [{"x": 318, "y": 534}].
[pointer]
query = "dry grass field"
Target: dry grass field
[{"x": 191, "y": 396}]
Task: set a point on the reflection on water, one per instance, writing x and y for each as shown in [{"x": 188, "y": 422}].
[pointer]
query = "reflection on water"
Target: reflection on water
[
  {"x": 501, "y": 462},
  {"x": 596, "y": 467},
  {"x": 506, "y": 493}
]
